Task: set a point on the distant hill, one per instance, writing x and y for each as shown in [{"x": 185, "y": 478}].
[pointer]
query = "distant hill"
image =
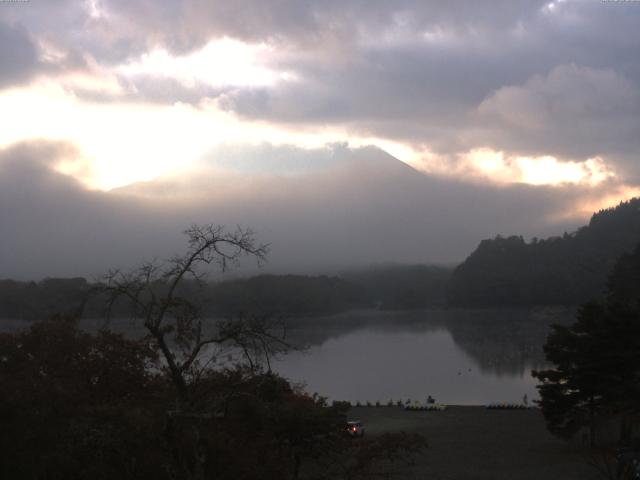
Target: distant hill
[
  {"x": 387, "y": 287},
  {"x": 402, "y": 287},
  {"x": 288, "y": 295},
  {"x": 31, "y": 300},
  {"x": 566, "y": 270},
  {"x": 384, "y": 287},
  {"x": 504, "y": 271}
]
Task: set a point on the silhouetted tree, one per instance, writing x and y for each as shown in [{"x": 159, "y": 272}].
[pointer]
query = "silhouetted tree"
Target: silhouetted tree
[
  {"x": 596, "y": 361},
  {"x": 176, "y": 329},
  {"x": 221, "y": 416},
  {"x": 173, "y": 321}
]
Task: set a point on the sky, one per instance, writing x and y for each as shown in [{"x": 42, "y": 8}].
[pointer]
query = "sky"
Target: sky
[{"x": 344, "y": 132}]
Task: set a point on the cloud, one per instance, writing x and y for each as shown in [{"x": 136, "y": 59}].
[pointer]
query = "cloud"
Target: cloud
[
  {"x": 420, "y": 74},
  {"x": 574, "y": 112},
  {"x": 528, "y": 79},
  {"x": 18, "y": 55},
  {"x": 183, "y": 26},
  {"x": 322, "y": 210}
]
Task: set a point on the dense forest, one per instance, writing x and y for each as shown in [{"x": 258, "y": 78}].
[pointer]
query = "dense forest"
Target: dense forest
[
  {"x": 568, "y": 270},
  {"x": 396, "y": 287},
  {"x": 382, "y": 287},
  {"x": 37, "y": 300}
]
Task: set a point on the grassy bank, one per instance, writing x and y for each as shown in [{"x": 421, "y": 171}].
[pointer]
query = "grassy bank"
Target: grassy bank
[{"x": 475, "y": 443}]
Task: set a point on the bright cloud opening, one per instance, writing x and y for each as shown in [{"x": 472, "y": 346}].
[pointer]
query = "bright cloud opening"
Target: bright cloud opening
[
  {"x": 543, "y": 170},
  {"x": 122, "y": 143},
  {"x": 221, "y": 62},
  {"x": 485, "y": 164}
]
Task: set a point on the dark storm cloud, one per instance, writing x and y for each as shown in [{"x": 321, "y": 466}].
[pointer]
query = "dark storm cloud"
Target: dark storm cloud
[{"x": 323, "y": 210}]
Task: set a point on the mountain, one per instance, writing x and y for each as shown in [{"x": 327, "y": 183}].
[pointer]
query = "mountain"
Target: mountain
[
  {"x": 322, "y": 210},
  {"x": 340, "y": 208},
  {"x": 569, "y": 270}
]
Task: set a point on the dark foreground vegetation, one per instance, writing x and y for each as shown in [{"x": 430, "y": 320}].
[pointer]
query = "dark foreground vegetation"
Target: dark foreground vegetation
[
  {"x": 594, "y": 386},
  {"x": 79, "y": 406}
]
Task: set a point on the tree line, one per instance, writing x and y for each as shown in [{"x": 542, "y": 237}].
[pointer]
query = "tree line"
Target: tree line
[
  {"x": 566, "y": 270},
  {"x": 384, "y": 287},
  {"x": 595, "y": 376}
]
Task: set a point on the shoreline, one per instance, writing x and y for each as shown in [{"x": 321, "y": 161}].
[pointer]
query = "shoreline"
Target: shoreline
[{"x": 473, "y": 442}]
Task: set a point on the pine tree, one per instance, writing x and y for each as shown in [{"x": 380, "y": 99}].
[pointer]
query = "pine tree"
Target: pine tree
[{"x": 596, "y": 361}]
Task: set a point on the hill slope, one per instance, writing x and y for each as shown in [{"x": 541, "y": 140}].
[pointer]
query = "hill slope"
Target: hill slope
[{"x": 559, "y": 270}]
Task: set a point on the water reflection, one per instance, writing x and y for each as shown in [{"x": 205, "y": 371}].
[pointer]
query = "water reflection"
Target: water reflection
[{"x": 459, "y": 356}]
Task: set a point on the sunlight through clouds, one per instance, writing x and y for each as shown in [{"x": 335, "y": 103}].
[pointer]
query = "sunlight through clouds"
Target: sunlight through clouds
[
  {"x": 543, "y": 170},
  {"x": 130, "y": 142},
  {"x": 523, "y": 105},
  {"x": 549, "y": 170},
  {"x": 125, "y": 142},
  {"x": 95, "y": 9},
  {"x": 599, "y": 199},
  {"x": 219, "y": 63},
  {"x": 486, "y": 164}
]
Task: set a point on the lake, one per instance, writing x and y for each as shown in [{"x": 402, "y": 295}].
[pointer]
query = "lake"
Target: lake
[
  {"x": 458, "y": 356},
  {"x": 463, "y": 357}
]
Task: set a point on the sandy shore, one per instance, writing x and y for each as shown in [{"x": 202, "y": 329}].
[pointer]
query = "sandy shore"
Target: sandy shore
[{"x": 475, "y": 443}]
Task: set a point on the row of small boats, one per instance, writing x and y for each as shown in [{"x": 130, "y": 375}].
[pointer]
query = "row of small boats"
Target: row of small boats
[
  {"x": 431, "y": 407},
  {"x": 438, "y": 407},
  {"x": 507, "y": 406}
]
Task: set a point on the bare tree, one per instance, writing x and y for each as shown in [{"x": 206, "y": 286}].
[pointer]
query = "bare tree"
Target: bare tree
[{"x": 174, "y": 324}]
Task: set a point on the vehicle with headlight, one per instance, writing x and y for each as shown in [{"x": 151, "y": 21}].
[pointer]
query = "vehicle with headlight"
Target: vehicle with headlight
[{"x": 355, "y": 428}]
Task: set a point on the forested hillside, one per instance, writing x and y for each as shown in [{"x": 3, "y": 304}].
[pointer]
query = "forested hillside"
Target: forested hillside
[
  {"x": 384, "y": 287},
  {"x": 37, "y": 300},
  {"x": 392, "y": 287},
  {"x": 570, "y": 269},
  {"x": 283, "y": 294}
]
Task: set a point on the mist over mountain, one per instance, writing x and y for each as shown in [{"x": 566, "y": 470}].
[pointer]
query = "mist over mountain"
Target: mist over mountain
[
  {"x": 505, "y": 270},
  {"x": 321, "y": 210}
]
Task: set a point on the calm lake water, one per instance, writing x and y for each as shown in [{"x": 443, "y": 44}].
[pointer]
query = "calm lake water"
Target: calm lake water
[
  {"x": 458, "y": 356},
  {"x": 465, "y": 357}
]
